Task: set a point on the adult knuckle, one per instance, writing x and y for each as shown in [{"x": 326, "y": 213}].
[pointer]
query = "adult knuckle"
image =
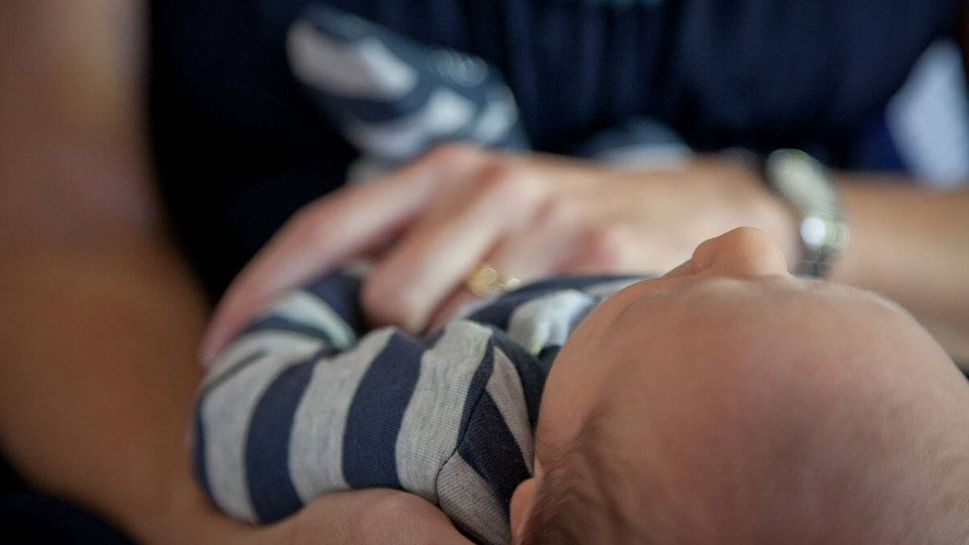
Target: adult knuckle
[
  {"x": 451, "y": 153},
  {"x": 560, "y": 211},
  {"x": 606, "y": 245},
  {"x": 385, "y": 302},
  {"x": 309, "y": 224},
  {"x": 503, "y": 181}
]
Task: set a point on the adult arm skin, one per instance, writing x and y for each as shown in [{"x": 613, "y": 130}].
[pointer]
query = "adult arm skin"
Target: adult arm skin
[
  {"x": 910, "y": 244},
  {"x": 101, "y": 316},
  {"x": 534, "y": 216}
]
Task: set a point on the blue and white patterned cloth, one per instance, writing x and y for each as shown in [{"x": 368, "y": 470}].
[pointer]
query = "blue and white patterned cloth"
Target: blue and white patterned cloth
[
  {"x": 394, "y": 99},
  {"x": 302, "y": 403}
]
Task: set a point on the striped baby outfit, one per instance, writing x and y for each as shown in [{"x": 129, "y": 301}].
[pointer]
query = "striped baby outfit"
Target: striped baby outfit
[
  {"x": 302, "y": 403},
  {"x": 395, "y": 99}
]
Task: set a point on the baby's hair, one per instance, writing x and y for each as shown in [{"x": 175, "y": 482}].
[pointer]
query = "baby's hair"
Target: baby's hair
[
  {"x": 544, "y": 525},
  {"x": 573, "y": 490},
  {"x": 555, "y": 499}
]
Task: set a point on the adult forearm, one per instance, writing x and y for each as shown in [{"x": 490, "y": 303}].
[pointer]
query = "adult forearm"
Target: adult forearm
[
  {"x": 100, "y": 317},
  {"x": 912, "y": 245},
  {"x": 97, "y": 376}
]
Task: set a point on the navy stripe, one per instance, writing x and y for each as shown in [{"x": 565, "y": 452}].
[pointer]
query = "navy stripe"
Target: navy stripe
[
  {"x": 431, "y": 340},
  {"x": 375, "y": 415},
  {"x": 341, "y": 292},
  {"x": 370, "y": 110},
  {"x": 531, "y": 371},
  {"x": 490, "y": 448},
  {"x": 271, "y": 487},
  {"x": 499, "y": 313},
  {"x": 286, "y": 325},
  {"x": 350, "y": 31},
  {"x": 563, "y": 283},
  {"x": 477, "y": 387},
  {"x": 547, "y": 356}
]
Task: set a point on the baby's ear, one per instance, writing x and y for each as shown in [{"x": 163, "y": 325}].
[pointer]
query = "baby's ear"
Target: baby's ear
[{"x": 522, "y": 501}]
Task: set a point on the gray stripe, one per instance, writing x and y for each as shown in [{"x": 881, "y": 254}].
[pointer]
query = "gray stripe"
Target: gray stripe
[
  {"x": 446, "y": 112},
  {"x": 306, "y": 308},
  {"x": 226, "y": 412},
  {"x": 498, "y": 118},
  {"x": 468, "y": 500},
  {"x": 364, "y": 69},
  {"x": 547, "y": 321},
  {"x": 505, "y": 388},
  {"x": 429, "y": 430},
  {"x": 316, "y": 444},
  {"x": 607, "y": 289},
  {"x": 280, "y": 344}
]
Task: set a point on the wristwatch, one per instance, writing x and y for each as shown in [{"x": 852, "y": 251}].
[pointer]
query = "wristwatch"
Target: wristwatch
[{"x": 804, "y": 184}]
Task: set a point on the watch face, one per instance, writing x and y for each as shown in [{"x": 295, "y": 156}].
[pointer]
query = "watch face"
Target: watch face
[{"x": 815, "y": 231}]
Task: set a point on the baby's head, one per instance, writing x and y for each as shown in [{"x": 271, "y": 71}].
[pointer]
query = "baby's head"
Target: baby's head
[{"x": 729, "y": 402}]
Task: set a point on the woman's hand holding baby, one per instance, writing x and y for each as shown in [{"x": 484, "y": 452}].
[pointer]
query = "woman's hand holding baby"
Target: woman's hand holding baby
[
  {"x": 359, "y": 517},
  {"x": 365, "y": 517},
  {"x": 429, "y": 225}
]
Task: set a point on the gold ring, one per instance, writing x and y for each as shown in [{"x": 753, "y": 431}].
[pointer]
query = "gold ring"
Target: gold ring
[{"x": 485, "y": 281}]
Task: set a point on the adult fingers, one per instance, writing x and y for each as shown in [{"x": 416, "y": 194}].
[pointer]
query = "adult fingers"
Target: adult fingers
[
  {"x": 600, "y": 249},
  {"x": 330, "y": 231},
  {"x": 437, "y": 254},
  {"x": 536, "y": 250}
]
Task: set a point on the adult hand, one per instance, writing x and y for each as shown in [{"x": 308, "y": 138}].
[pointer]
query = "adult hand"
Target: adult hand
[
  {"x": 364, "y": 517},
  {"x": 359, "y": 517},
  {"x": 530, "y": 216}
]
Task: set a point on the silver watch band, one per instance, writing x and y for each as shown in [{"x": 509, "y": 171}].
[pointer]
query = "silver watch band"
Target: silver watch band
[{"x": 805, "y": 185}]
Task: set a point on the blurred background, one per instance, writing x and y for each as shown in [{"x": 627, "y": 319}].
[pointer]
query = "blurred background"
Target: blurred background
[{"x": 185, "y": 118}]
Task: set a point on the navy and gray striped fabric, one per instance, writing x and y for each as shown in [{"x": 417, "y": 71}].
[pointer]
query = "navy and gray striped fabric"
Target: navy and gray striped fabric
[
  {"x": 301, "y": 404},
  {"x": 394, "y": 99}
]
